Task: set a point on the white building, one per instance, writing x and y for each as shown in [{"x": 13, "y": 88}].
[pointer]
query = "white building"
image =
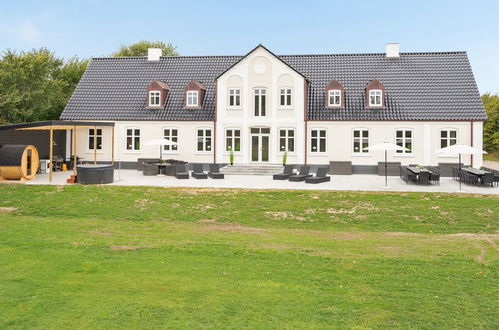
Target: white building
[{"x": 316, "y": 108}]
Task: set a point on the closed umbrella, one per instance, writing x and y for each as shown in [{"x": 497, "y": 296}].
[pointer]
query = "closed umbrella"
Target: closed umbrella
[
  {"x": 160, "y": 143},
  {"x": 385, "y": 146},
  {"x": 460, "y": 149}
]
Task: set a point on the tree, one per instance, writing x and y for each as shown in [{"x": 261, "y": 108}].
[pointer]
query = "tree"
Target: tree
[
  {"x": 140, "y": 49},
  {"x": 491, "y": 125},
  {"x": 36, "y": 85}
]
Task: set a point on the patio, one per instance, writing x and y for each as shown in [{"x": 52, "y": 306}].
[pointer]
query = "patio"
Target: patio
[{"x": 359, "y": 182}]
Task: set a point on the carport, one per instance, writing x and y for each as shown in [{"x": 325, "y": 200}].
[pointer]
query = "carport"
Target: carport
[{"x": 53, "y": 126}]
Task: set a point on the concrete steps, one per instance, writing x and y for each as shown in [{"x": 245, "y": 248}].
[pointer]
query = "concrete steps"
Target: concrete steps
[{"x": 252, "y": 169}]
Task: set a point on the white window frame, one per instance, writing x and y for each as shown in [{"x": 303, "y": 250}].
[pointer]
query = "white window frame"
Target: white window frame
[
  {"x": 233, "y": 139},
  {"x": 207, "y": 148},
  {"x": 154, "y": 95},
  {"x": 234, "y": 93},
  {"x": 361, "y": 151},
  {"x": 90, "y": 146},
  {"x": 260, "y": 94},
  {"x": 400, "y": 153},
  {"x": 334, "y": 93},
  {"x": 286, "y": 92},
  {"x": 375, "y": 91},
  {"x": 286, "y": 140},
  {"x": 319, "y": 138},
  {"x": 191, "y": 96},
  {"x": 448, "y": 138},
  {"x": 174, "y": 138},
  {"x": 133, "y": 150}
]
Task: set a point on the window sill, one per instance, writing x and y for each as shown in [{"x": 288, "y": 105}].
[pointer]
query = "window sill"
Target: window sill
[
  {"x": 132, "y": 151},
  {"x": 92, "y": 152},
  {"x": 196, "y": 107},
  {"x": 285, "y": 108},
  {"x": 404, "y": 155},
  {"x": 368, "y": 154},
  {"x": 203, "y": 153},
  {"x": 236, "y": 153},
  {"x": 234, "y": 108},
  {"x": 290, "y": 153},
  {"x": 321, "y": 154}
]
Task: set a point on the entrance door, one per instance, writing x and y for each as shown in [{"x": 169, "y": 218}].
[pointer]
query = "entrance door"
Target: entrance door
[{"x": 260, "y": 138}]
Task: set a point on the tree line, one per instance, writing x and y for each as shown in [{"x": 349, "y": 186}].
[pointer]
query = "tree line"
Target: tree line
[{"x": 36, "y": 85}]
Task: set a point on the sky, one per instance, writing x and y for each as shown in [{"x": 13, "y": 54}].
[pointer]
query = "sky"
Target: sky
[{"x": 91, "y": 28}]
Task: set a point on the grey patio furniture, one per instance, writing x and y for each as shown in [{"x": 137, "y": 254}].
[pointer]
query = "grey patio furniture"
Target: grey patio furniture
[
  {"x": 214, "y": 172},
  {"x": 150, "y": 169},
  {"x": 488, "y": 179},
  {"x": 434, "y": 174},
  {"x": 181, "y": 171},
  {"x": 319, "y": 177},
  {"x": 197, "y": 172},
  {"x": 424, "y": 177},
  {"x": 286, "y": 173},
  {"x": 302, "y": 175}
]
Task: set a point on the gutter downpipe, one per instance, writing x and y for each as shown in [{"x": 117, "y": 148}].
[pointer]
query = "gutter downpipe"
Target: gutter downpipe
[
  {"x": 215, "y": 126},
  {"x": 472, "y": 141},
  {"x": 305, "y": 117}
]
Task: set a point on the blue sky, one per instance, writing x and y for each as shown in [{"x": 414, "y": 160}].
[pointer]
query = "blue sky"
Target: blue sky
[{"x": 96, "y": 28}]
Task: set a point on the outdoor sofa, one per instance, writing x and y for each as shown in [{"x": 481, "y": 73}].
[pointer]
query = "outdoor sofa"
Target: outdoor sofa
[{"x": 181, "y": 171}]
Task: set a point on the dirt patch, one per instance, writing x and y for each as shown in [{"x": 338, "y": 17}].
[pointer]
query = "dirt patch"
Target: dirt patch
[
  {"x": 212, "y": 224},
  {"x": 124, "y": 247},
  {"x": 279, "y": 214},
  {"x": 98, "y": 232},
  {"x": 143, "y": 204},
  {"x": 8, "y": 209}
]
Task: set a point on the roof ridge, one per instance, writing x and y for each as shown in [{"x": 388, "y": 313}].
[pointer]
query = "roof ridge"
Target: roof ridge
[{"x": 279, "y": 55}]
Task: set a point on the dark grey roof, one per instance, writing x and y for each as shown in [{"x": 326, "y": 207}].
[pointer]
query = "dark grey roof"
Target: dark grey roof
[{"x": 418, "y": 86}]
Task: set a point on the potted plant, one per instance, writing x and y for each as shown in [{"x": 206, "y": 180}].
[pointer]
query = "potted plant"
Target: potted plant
[{"x": 231, "y": 156}]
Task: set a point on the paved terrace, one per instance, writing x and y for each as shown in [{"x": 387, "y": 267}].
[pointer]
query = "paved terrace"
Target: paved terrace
[{"x": 360, "y": 182}]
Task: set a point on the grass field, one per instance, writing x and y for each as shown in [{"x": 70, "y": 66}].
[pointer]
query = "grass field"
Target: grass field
[
  {"x": 136, "y": 257},
  {"x": 492, "y": 156}
]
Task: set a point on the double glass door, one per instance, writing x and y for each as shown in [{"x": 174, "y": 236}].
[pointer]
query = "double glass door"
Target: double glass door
[{"x": 260, "y": 138}]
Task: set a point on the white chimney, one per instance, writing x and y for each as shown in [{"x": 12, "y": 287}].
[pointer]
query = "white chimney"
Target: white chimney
[
  {"x": 153, "y": 54},
  {"x": 392, "y": 50}
]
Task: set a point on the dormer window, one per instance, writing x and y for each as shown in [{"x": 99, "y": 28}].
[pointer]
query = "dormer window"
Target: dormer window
[
  {"x": 194, "y": 93},
  {"x": 192, "y": 98},
  {"x": 154, "y": 98},
  {"x": 375, "y": 94},
  {"x": 375, "y": 97},
  {"x": 334, "y": 95},
  {"x": 334, "y": 98}
]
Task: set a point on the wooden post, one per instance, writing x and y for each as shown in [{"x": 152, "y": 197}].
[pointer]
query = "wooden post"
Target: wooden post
[
  {"x": 74, "y": 150},
  {"x": 95, "y": 144},
  {"x": 112, "y": 145},
  {"x": 51, "y": 152}
]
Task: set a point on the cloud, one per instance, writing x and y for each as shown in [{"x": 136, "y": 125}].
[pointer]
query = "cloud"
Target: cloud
[
  {"x": 26, "y": 31},
  {"x": 29, "y": 33}
]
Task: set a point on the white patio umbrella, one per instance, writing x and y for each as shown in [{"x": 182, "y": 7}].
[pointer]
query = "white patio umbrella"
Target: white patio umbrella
[
  {"x": 160, "y": 143},
  {"x": 460, "y": 149},
  {"x": 385, "y": 146}
]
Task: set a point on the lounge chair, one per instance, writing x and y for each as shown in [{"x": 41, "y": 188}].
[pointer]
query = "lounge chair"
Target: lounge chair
[
  {"x": 214, "y": 172},
  {"x": 181, "y": 172},
  {"x": 288, "y": 171},
  {"x": 302, "y": 175},
  {"x": 319, "y": 177},
  {"x": 197, "y": 172}
]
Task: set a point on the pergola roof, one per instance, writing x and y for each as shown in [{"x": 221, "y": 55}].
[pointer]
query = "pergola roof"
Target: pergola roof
[{"x": 54, "y": 124}]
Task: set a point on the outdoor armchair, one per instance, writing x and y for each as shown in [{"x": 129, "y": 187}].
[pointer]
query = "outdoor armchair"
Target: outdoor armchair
[
  {"x": 302, "y": 175},
  {"x": 288, "y": 171},
  {"x": 150, "y": 169},
  {"x": 424, "y": 177},
  {"x": 181, "y": 171},
  {"x": 214, "y": 172},
  {"x": 197, "y": 172},
  {"x": 319, "y": 177}
]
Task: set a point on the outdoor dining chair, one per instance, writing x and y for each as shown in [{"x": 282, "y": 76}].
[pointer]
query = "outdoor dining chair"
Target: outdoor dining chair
[
  {"x": 424, "y": 178},
  {"x": 488, "y": 179}
]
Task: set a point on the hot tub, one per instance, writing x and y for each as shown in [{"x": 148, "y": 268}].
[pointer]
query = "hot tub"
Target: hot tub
[{"x": 95, "y": 174}]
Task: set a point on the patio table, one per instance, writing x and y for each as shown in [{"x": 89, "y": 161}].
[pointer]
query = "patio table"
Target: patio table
[
  {"x": 417, "y": 171},
  {"x": 164, "y": 168},
  {"x": 474, "y": 171}
]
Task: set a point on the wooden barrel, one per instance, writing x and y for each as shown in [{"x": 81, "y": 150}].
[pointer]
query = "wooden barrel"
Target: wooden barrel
[{"x": 18, "y": 162}]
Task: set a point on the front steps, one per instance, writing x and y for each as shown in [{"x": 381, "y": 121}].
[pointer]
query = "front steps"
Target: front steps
[{"x": 252, "y": 169}]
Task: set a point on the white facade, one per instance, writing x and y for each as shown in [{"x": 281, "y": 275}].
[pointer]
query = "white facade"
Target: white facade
[{"x": 256, "y": 132}]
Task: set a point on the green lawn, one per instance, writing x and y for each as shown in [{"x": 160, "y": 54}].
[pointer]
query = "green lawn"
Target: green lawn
[
  {"x": 139, "y": 257},
  {"x": 492, "y": 156}
]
